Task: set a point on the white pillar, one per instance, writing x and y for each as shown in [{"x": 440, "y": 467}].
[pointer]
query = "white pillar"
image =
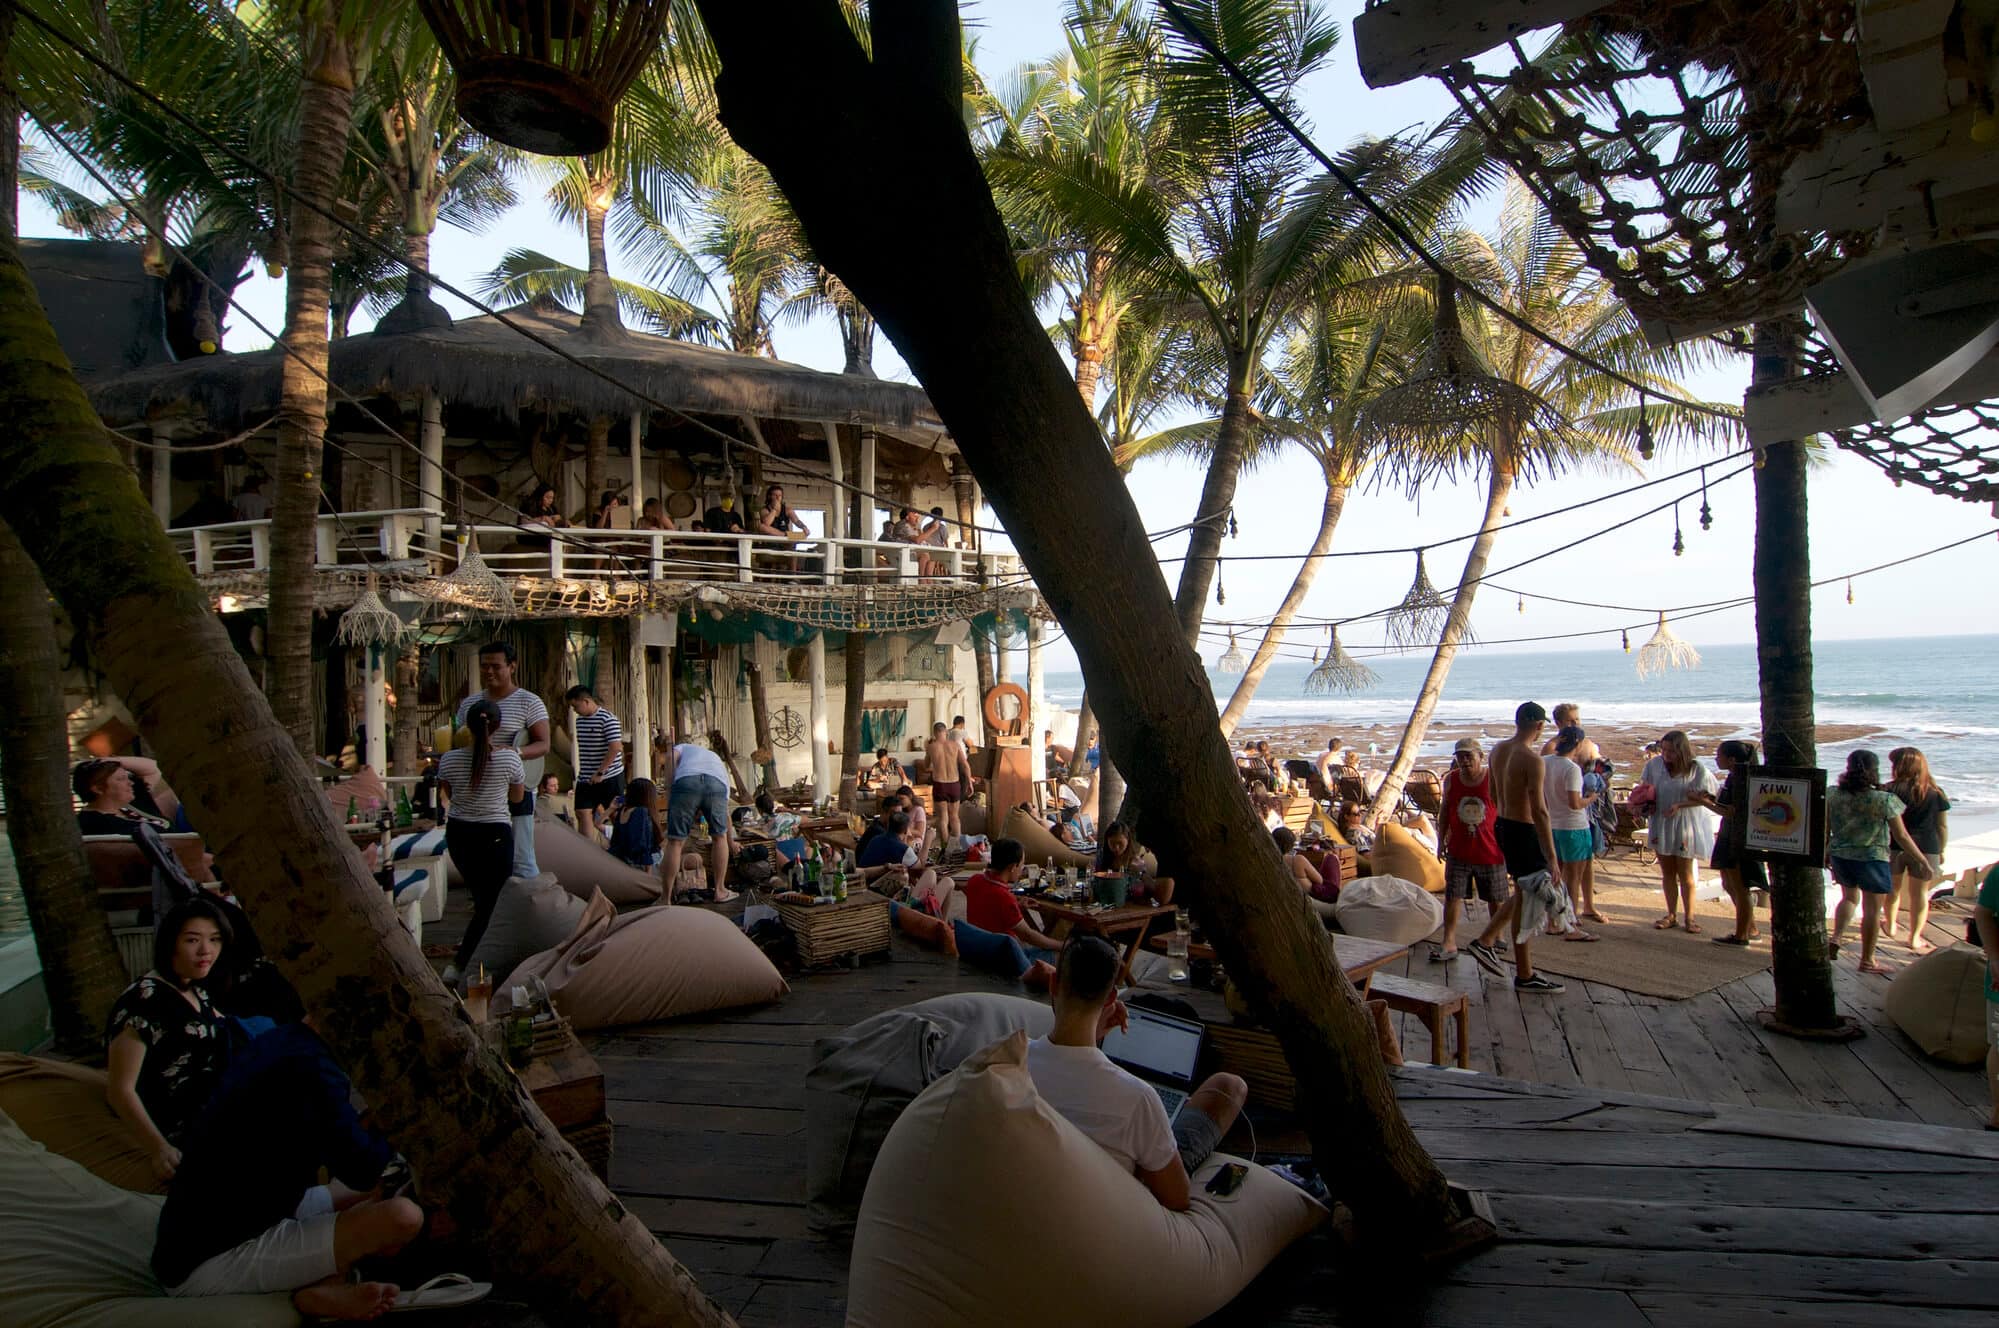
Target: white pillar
[
  {"x": 430, "y": 474},
  {"x": 815, "y": 675},
  {"x": 836, "y": 519},
  {"x": 867, "y": 482},
  {"x": 375, "y": 715},
  {"x": 1037, "y": 755},
  {"x": 638, "y": 498},
  {"x": 1001, "y": 672},
  {"x": 161, "y": 468},
  {"x": 638, "y": 720}
]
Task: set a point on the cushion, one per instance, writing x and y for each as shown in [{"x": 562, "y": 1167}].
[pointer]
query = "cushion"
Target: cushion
[
  {"x": 1041, "y": 846},
  {"x": 582, "y": 868},
  {"x": 1387, "y": 908},
  {"x": 971, "y": 818},
  {"x": 76, "y": 1252},
  {"x": 1939, "y": 1001},
  {"x": 421, "y": 844},
  {"x": 978, "y": 1158},
  {"x": 655, "y": 963},
  {"x": 528, "y": 917},
  {"x": 61, "y": 1107},
  {"x": 863, "y": 1077},
  {"x": 1399, "y": 853}
]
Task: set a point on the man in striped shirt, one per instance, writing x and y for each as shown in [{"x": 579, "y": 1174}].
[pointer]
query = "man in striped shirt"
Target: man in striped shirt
[
  {"x": 600, "y": 760},
  {"x": 523, "y": 727}
]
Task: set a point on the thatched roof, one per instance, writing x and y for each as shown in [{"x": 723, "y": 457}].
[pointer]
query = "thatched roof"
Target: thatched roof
[
  {"x": 104, "y": 307},
  {"x": 482, "y": 363}
]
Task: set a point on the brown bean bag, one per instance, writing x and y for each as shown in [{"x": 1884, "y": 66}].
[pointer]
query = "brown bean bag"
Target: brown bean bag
[
  {"x": 644, "y": 966},
  {"x": 582, "y": 868},
  {"x": 1398, "y": 853},
  {"x": 1939, "y": 1001},
  {"x": 1041, "y": 846},
  {"x": 61, "y": 1107}
]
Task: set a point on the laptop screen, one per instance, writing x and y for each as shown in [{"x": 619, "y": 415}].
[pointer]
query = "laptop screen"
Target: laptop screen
[{"x": 1157, "y": 1045}]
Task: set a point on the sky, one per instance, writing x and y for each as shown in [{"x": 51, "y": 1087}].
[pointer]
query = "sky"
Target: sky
[{"x": 1858, "y": 518}]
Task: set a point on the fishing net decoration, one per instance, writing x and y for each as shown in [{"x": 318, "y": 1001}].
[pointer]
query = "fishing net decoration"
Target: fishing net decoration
[{"x": 1339, "y": 671}]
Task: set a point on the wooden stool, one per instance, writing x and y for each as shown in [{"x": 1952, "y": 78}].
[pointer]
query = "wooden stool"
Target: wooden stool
[{"x": 1434, "y": 1004}]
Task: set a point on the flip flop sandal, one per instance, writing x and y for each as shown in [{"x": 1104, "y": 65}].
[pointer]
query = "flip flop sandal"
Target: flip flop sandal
[
  {"x": 1578, "y": 936},
  {"x": 1730, "y": 940},
  {"x": 1439, "y": 955},
  {"x": 1593, "y": 917},
  {"x": 444, "y": 1292},
  {"x": 1664, "y": 924}
]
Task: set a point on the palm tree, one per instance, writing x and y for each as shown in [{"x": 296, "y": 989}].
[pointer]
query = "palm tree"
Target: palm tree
[
  {"x": 1568, "y": 414},
  {"x": 1228, "y": 223}
]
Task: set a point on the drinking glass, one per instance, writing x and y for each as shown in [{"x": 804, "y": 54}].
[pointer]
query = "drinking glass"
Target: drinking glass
[{"x": 478, "y": 993}]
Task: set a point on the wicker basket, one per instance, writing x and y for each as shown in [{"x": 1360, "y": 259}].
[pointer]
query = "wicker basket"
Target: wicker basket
[
  {"x": 827, "y": 933},
  {"x": 1254, "y": 1054}
]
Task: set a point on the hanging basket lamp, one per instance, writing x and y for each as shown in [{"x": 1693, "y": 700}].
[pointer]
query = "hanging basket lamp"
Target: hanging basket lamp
[
  {"x": 369, "y": 622},
  {"x": 1339, "y": 671},
  {"x": 1666, "y": 651},
  {"x": 1420, "y": 616},
  {"x": 473, "y": 586},
  {"x": 545, "y": 75},
  {"x": 1233, "y": 660}
]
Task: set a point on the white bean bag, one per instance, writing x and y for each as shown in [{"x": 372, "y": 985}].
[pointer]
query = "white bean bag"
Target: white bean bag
[
  {"x": 76, "y": 1252},
  {"x": 987, "y": 1209},
  {"x": 1387, "y": 908},
  {"x": 644, "y": 966},
  {"x": 528, "y": 917},
  {"x": 863, "y": 1077},
  {"x": 582, "y": 867},
  {"x": 1939, "y": 1001}
]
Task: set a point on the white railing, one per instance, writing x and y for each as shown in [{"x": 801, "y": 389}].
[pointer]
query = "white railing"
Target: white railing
[{"x": 577, "y": 554}]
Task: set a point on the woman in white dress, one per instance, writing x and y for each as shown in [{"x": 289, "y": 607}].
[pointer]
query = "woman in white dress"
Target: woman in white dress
[{"x": 1681, "y": 830}]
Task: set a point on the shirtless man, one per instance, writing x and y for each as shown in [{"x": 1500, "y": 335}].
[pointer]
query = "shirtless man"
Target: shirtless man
[
  {"x": 1568, "y": 715},
  {"x": 1525, "y": 837},
  {"x": 947, "y": 786}
]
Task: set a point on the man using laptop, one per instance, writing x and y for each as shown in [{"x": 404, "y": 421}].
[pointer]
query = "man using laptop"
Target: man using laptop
[{"x": 1120, "y": 1111}]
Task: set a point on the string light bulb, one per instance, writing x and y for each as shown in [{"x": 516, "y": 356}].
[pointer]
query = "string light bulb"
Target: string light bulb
[
  {"x": 1233, "y": 530},
  {"x": 1849, "y": 590},
  {"x": 1679, "y": 543},
  {"x": 1221, "y": 591},
  {"x": 1707, "y": 513},
  {"x": 1644, "y": 430},
  {"x": 1627, "y": 640},
  {"x": 1521, "y": 603}
]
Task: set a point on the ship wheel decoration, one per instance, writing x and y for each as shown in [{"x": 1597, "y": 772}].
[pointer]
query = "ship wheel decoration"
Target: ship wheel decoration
[{"x": 787, "y": 730}]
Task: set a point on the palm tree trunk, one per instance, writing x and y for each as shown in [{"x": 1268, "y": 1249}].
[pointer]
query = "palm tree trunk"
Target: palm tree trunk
[
  {"x": 404, "y": 755},
  {"x": 1498, "y": 488},
  {"x": 325, "y": 116},
  {"x": 988, "y": 678},
  {"x": 600, "y": 297},
  {"x": 1211, "y": 518},
  {"x": 81, "y": 970},
  {"x": 596, "y": 461},
  {"x": 484, "y": 1150},
  {"x": 1301, "y": 585},
  {"x": 854, "y": 658},
  {"x": 1782, "y": 578}
]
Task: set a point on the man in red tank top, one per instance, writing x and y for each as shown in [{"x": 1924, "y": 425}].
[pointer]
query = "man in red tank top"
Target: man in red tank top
[{"x": 1472, "y": 860}]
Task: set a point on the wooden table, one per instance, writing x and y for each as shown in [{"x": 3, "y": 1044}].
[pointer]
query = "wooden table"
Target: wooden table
[
  {"x": 1358, "y": 956},
  {"x": 843, "y": 931},
  {"x": 1131, "y": 921}
]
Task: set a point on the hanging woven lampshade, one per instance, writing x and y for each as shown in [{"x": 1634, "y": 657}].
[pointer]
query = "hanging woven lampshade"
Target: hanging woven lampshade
[
  {"x": 545, "y": 75},
  {"x": 473, "y": 586},
  {"x": 1666, "y": 651},
  {"x": 1420, "y": 616},
  {"x": 1339, "y": 671},
  {"x": 369, "y": 622},
  {"x": 1233, "y": 660},
  {"x": 1451, "y": 391}
]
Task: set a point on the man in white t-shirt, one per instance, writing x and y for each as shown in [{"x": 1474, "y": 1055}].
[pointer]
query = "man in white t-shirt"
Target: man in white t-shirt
[
  {"x": 1116, "y": 1109},
  {"x": 1568, "y": 818},
  {"x": 523, "y": 727},
  {"x": 698, "y": 785}
]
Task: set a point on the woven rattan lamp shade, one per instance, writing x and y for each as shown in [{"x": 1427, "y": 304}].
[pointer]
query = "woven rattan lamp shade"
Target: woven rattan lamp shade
[
  {"x": 1451, "y": 391},
  {"x": 545, "y": 75}
]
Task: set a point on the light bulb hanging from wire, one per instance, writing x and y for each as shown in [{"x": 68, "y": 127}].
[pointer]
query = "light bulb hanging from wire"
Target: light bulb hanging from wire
[
  {"x": 1627, "y": 640},
  {"x": 1707, "y": 513},
  {"x": 1221, "y": 591},
  {"x": 1679, "y": 543},
  {"x": 1644, "y": 430},
  {"x": 1849, "y": 590}
]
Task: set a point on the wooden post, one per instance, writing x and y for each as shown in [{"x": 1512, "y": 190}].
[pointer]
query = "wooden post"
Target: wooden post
[
  {"x": 638, "y": 704},
  {"x": 815, "y": 677},
  {"x": 1037, "y": 705},
  {"x": 760, "y": 717},
  {"x": 430, "y": 474},
  {"x": 638, "y": 498},
  {"x": 867, "y": 483},
  {"x": 375, "y": 712},
  {"x": 160, "y": 470},
  {"x": 852, "y": 755}
]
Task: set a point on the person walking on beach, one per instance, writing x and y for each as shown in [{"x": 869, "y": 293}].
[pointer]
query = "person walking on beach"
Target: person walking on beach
[
  {"x": 1863, "y": 820},
  {"x": 1568, "y": 817},
  {"x": 1525, "y": 840},
  {"x": 1928, "y": 822},
  {"x": 1681, "y": 827},
  {"x": 1472, "y": 860},
  {"x": 947, "y": 776},
  {"x": 1741, "y": 877}
]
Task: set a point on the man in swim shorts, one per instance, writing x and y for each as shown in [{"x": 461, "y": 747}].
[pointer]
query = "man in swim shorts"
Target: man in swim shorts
[
  {"x": 947, "y": 787},
  {"x": 1526, "y": 841}
]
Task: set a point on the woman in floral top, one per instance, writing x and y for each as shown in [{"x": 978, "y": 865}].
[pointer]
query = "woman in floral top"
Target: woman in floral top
[
  {"x": 166, "y": 1043},
  {"x": 1862, "y": 820}
]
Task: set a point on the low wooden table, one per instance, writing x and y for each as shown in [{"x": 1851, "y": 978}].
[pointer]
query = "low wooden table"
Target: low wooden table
[
  {"x": 1130, "y": 921},
  {"x": 568, "y": 1086},
  {"x": 1358, "y": 956},
  {"x": 844, "y": 931}
]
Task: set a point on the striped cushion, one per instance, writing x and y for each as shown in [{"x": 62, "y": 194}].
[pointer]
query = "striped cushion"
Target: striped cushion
[
  {"x": 412, "y": 885},
  {"x": 424, "y": 844}
]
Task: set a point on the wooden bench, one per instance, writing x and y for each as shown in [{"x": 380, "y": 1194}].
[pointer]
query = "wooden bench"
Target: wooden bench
[{"x": 1434, "y": 1004}]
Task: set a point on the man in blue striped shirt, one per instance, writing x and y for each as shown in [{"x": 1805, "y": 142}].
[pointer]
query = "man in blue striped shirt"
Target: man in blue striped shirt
[{"x": 600, "y": 760}]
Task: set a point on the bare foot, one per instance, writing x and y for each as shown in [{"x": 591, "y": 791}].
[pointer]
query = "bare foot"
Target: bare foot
[
  {"x": 1577, "y": 934},
  {"x": 1038, "y": 975},
  {"x": 345, "y": 1300},
  {"x": 1920, "y": 947},
  {"x": 1591, "y": 915}
]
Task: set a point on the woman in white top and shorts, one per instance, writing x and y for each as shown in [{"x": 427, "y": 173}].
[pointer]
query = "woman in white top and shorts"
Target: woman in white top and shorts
[{"x": 480, "y": 780}]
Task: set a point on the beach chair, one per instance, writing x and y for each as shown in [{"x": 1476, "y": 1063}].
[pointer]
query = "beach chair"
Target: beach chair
[
  {"x": 1427, "y": 792},
  {"x": 1305, "y": 773},
  {"x": 1353, "y": 789}
]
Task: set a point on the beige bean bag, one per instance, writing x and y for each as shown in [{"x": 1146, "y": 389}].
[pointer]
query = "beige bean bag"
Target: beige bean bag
[
  {"x": 1387, "y": 908},
  {"x": 864, "y": 1076},
  {"x": 61, "y": 1107},
  {"x": 1040, "y": 845},
  {"x": 583, "y": 867},
  {"x": 1399, "y": 853},
  {"x": 986, "y": 1209},
  {"x": 528, "y": 917},
  {"x": 1939, "y": 1001},
  {"x": 76, "y": 1252},
  {"x": 652, "y": 964}
]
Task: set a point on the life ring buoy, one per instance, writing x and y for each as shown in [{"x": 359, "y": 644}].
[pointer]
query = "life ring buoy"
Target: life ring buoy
[{"x": 1006, "y": 709}]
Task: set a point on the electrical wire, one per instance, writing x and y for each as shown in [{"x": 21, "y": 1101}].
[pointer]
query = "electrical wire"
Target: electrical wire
[{"x": 1404, "y": 235}]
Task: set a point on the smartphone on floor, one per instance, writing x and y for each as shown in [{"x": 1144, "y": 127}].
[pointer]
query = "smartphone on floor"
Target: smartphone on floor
[{"x": 1228, "y": 1180}]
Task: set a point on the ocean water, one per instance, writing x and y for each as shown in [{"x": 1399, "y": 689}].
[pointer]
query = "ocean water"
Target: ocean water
[{"x": 1940, "y": 694}]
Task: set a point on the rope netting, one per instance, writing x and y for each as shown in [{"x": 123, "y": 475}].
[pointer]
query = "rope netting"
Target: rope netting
[
  {"x": 1637, "y": 129},
  {"x": 1951, "y": 450}
]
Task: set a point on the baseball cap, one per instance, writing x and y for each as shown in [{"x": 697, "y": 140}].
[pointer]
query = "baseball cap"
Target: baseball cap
[
  {"x": 1530, "y": 712},
  {"x": 1469, "y": 745}
]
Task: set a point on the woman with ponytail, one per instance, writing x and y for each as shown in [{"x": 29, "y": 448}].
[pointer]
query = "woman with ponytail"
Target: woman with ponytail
[{"x": 480, "y": 781}]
